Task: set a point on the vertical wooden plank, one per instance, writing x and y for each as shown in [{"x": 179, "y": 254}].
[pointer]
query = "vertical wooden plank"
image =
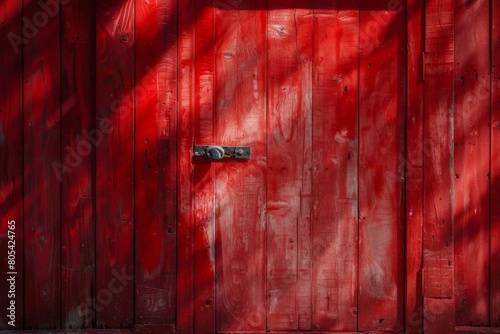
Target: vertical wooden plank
[
  {"x": 204, "y": 170},
  {"x": 42, "y": 148},
  {"x": 381, "y": 165},
  {"x": 240, "y": 82},
  {"x": 471, "y": 161},
  {"x": 115, "y": 164},
  {"x": 495, "y": 168},
  {"x": 11, "y": 165},
  {"x": 414, "y": 167},
  {"x": 155, "y": 161},
  {"x": 289, "y": 165},
  {"x": 438, "y": 168},
  {"x": 185, "y": 230},
  {"x": 78, "y": 140},
  {"x": 335, "y": 158}
]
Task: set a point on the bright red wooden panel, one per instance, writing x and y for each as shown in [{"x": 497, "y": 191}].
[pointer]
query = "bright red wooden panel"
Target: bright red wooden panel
[
  {"x": 240, "y": 102},
  {"x": 11, "y": 164},
  {"x": 185, "y": 232},
  {"x": 78, "y": 135},
  {"x": 495, "y": 168},
  {"x": 438, "y": 238},
  {"x": 289, "y": 141},
  {"x": 155, "y": 161},
  {"x": 437, "y": 273},
  {"x": 414, "y": 170},
  {"x": 42, "y": 148},
  {"x": 381, "y": 166},
  {"x": 335, "y": 170},
  {"x": 115, "y": 163},
  {"x": 471, "y": 165},
  {"x": 204, "y": 170}
]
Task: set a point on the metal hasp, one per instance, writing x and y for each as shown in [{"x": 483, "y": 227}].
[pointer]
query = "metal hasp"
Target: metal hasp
[{"x": 215, "y": 152}]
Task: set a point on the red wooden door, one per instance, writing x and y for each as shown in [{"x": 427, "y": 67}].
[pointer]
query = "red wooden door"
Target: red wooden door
[{"x": 308, "y": 233}]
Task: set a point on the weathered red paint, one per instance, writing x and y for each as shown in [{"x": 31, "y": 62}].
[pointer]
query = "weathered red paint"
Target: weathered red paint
[
  {"x": 334, "y": 150},
  {"x": 78, "y": 228},
  {"x": 240, "y": 187},
  {"x": 438, "y": 261},
  {"x": 414, "y": 168},
  {"x": 155, "y": 162},
  {"x": 289, "y": 168},
  {"x": 381, "y": 166},
  {"x": 471, "y": 170},
  {"x": 494, "y": 176},
  {"x": 366, "y": 204},
  {"x": 203, "y": 172},
  {"x": 11, "y": 153},
  {"x": 41, "y": 186},
  {"x": 114, "y": 178}
]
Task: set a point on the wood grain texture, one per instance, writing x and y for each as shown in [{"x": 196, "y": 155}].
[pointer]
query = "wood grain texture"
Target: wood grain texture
[
  {"x": 155, "y": 162},
  {"x": 115, "y": 163},
  {"x": 381, "y": 166},
  {"x": 42, "y": 189},
  {"x": 414, "y": 167},
  {"x": 240, "y": 195},
  {"x": 438, "y": 235},
  {"x": 185, "y": 230},
  {"x": 204, "y": 171},
  {"x": 289, "y": 141},
  {"x": 495, "y": 168},
  {"x": 78, "y": 116},
  {"x": 438, "y": 170},
  {"x": 335, "y": 157},
  {"x": 11, "y": 151},
  {"x": 439, "y": 26},
  {"x": 471, "y": 167}
]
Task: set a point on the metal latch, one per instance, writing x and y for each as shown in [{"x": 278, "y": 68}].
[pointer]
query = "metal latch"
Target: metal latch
[{"x": 220, "y": 152}]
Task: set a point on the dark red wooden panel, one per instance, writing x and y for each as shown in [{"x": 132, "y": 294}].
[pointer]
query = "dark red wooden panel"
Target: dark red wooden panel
[
  {"x": 289, "y": 143},
  {"x": 335, "y": 158},
  {"x": 204, "y": 170},
  {"x": 11, "y": 164},
  {"x": 381, "y": 166},
  {"x": 438, "y": 135},
  {"x": 185, "y": 239},
  {"x": 495, "y": 168},
  {"x": 42, "y": 148},
  {"x": 78, "y": 141},
  {"x": 155, "y": 162},
  {"x": 471, "y": 167},
  {"x": 115, "y": 164},
  {"x": 438, "y": 239},
  {"x": 414, "y": 171},
  {"x": 240, "y": 86}
]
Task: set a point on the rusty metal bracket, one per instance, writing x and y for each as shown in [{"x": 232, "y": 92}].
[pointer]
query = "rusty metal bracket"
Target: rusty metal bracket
[{"x": 215, "y": 152}]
